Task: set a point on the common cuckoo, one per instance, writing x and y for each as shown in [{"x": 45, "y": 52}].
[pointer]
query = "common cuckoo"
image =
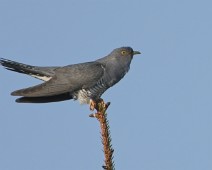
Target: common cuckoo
[{"x": 85, "y": 82}]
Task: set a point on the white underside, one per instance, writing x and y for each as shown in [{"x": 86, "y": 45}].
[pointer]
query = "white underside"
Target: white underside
[
  {"x": 82, "y": 96},
  {"x": 43, "y": 78}
]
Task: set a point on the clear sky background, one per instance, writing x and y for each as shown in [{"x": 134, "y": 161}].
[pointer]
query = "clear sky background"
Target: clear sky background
[{"x": 160, "y": 113}]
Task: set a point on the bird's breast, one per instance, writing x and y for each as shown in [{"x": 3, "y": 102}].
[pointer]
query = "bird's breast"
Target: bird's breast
[{"x": 94, "y": 92}]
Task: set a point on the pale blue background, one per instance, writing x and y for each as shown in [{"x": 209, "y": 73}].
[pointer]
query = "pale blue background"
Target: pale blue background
[{"x": 160, "y": 115}]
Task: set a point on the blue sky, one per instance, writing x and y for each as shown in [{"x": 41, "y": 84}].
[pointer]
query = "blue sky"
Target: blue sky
[{"x": 160, "y": 113}]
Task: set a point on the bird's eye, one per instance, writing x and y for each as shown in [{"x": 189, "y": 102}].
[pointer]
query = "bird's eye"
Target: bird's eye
[{"x": 123, "y": 52}]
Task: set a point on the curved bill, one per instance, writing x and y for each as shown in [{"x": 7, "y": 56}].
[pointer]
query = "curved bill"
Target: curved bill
[{"x": 136, "y": 52}]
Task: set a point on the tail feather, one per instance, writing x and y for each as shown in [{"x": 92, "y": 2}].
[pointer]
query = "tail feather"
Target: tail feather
[
  {"x": 17, "y": 67},
  {"x": 47, "y": 99},
  {"x": 42, "y": 73}
]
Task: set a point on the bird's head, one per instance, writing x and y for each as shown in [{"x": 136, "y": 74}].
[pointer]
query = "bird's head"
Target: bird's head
[
  {"x": 120, "y": 57},
  {"x": 124, "y": 52}
]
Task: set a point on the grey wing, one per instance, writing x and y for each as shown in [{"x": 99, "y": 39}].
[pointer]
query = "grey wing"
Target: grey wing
[{"x": 66, "y": 79}]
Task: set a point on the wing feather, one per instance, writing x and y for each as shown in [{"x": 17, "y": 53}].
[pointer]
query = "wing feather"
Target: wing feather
[{"x": 66, "y": 79}]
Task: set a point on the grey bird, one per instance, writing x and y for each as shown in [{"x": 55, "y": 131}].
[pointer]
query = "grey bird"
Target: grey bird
[{"x": 85, "y": 82}]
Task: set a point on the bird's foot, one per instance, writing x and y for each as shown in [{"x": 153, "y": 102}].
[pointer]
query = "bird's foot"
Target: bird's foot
[
  {"x": 92, "y": 104},
  {"x": 100, "y": 107},
  {"x": 95, "y": 104}
]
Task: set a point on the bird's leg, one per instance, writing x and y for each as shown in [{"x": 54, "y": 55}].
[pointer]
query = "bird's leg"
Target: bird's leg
[
  {"x": 102, "y": 103},
  {"x": 94, "y": 104},
  {"x": 100, "y": 107}
]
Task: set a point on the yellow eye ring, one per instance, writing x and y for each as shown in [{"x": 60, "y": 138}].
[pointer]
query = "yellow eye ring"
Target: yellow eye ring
[{"x": 123, "y": 52}]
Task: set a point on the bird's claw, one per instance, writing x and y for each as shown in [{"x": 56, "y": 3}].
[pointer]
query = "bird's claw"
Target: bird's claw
[
  {"x": 95, "y": 104},
  {"x": 100, "y": 107},
  {"x": 92, "y": 105}
]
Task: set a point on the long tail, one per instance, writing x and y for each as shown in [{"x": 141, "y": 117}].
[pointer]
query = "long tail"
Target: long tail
[{"x": 42, "y": 73}]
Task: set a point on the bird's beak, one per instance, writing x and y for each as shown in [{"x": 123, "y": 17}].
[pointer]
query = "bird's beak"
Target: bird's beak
[{"x": 136, "y": 52}]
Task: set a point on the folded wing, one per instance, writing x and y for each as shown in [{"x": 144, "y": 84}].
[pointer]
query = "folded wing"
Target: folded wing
[{"x": 66, "y": 79}]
